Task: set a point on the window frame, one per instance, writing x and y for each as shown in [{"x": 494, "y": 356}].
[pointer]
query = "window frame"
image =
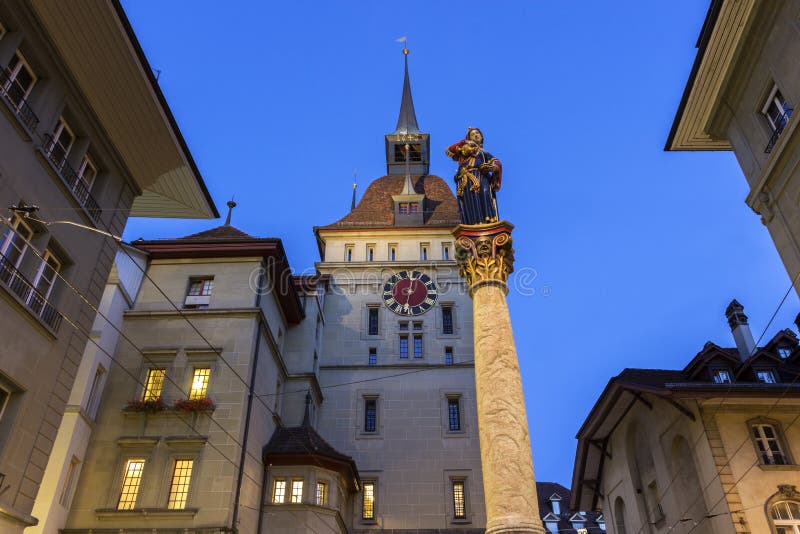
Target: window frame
[
  {"x": 40, "y": 270},
  {"x": 193, "y": 392},
  {"x": 403, "y": 347},
  {"x": 418, "y": 346},
  {"x": 779, "y": 438},
  {"x": 14, "y": 73},
  {"x": 392, "y": 251},
  {"x": 8, "y": 240},
  {"x": 373, "y": 356},
  {"x": 793, "y": 523},
  {"x": 348, "y": 252},
  {"x": 370, "y": 252},
  {"x": 124, "y": 477},
  {"x": 451, "y": 311},
  {"x": 275, "y": 482},
  {"x": 717, "y": 372},
  {"x": 370, "y": 423},
  {"x": 780, "y": 104},
  {"x": 766, "y": 371},
  {"x": 68, "y": 484},
  {"x": 424, "y": 251},
  {"x": 372, "y": 517},
  {"x": 449, "y": 357},
  {"x": 451, "y": 478},
  {"x": 150, "y": 373},
  {"x": 321, "y": 498},
  {"x": 294, "y": 495},
  {"x": 185, "y": 485},
  {"x": 95, "y": 393},
  {"x": 61, "y": 127},
  {"x": 446, "y": 248},
  {"x": 373, "y": 310}
]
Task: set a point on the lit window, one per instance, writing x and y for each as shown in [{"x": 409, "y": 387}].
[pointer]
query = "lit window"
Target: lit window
[
  {"x": 786, "y": 517},
  {"x": 784, "y": 352},
  {"x": 370, "y": 415},
  {"x": 368, "y": 504},
  {"x": 418, "y": 345},
  {"x": 765, "y": 375},
  {"x": 69, "y": 482},
  {"x": 131, "y": 479},
  {"x": 770, "y": 450},
  {"x": 404, "y": 346},
  {"x": 373, "y": 356},
  {"x": 373, "y": 321},
  {"x": 153, "y": 384},
  {"x": 448, "y": 355},
  {"x": 447, "y": 320},
  {"x": 322, "y": 493},
  {"x": 279, "y": 492},
  {"x": 459, "y": 501},
  {"x": 721, "y": 376},
  {"x": 19, "y": 80},
  {"x": 179, "y": 489},
  {"x": 200, "y": 382},
  {"x": 297, "y": 491},
  {"x": 454, "y": 414}
]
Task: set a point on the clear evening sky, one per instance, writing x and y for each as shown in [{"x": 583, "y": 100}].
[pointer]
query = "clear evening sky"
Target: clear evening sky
[{"x": 639, "y": 251}]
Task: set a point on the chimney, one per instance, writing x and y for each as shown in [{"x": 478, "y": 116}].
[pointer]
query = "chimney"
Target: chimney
[{"x": 740, "y": 329}]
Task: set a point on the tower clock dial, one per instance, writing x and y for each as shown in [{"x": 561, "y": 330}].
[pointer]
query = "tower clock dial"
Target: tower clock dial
[{"x": 410, "y": 293}]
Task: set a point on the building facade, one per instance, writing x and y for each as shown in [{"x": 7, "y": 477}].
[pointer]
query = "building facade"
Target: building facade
[
  {"x": 86, "y": 163},
  {"x": 740, "y": 96},
  {"x": 710, "y": 448},
  {"x": 242, "y": 398}
]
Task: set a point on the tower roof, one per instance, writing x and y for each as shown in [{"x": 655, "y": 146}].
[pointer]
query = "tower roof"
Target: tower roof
[
  {"x": 376, "y": 208},
  {"x": 407, "y": 120}
]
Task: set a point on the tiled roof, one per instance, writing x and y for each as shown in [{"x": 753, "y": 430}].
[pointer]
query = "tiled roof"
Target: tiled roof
[
  {"x": 220, "y": 232},
  {"x": 299, "y": 440},
  {"x": 376, "y": 210}
]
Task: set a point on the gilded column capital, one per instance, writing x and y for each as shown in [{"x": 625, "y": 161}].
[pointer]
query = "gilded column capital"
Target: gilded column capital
[{"x": 484, "y": 253}]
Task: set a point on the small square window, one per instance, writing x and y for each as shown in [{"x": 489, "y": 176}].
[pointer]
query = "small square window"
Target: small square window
[
  {"x": 417, "y": 327},
  {"x": 404, "y": 326},
  {"x": 373, "y": 356}
]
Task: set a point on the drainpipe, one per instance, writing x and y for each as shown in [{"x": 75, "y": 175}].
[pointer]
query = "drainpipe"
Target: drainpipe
[
  {"x": 264, "y": 480},
  {"x": 250, "y": 396}
]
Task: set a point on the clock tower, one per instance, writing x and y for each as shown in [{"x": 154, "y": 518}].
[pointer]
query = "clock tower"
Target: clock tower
[{"x": 396, "y": 362}]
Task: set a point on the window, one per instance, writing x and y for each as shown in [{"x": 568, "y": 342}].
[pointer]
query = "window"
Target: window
[
  {"x": 414, "y": 153},
  {"x": 87, "y": 172},
  {"x": 20, "y": 80},
  {"x": 459, "y": 500},
  {"x": 417, "y": 345},
  {"x": 368, "y": 502},
  {"x": 297, "y": 491},
  {"x": 392, "y": 251},
  {"x": 445, "y": 251},
  {"x": 45, "y": 277},
  {"x": 348, "y": 253},
  {"x": 199, "y": 382},
  {"x": 551, "y": 524},
  {"x": 786, "y": 517},
  {"x": 94, "y": 392},
  {"x": 373, "y": 356},
  {"x": 14, "y": 243},
  {"x": 131, "y": 479},
  {"x": 179, "y": 488},
  {"x": 69, "y": 482},
  {"x": 453, "y": 414},
  {"x": 555, "y": 503},
  {"x": 770, "y": 450},
  {"x": 619, "y": 516},
  {"x": 404, "y": 326},
  {"x": 721, "y": 376},
  {"x": 423, "y": 251},
  {"x": 447, "y": 319},
  {"x": 776, "y": 110},
  {"x": 370, "y": 252},
  {"x": 403, "y": 346},
  {"x": 372, "y": 327},
  {"x": 448, "y": 355},
  {"x": 279, "y": 492},
  {"x": 4, "y": 396},
  {"x": 322, "y": 493},
  {"x": 766, "y": 375},
  {"x": 60, "y": 143},
  {"x": 198, "y": 295},
  {"x": 153, "y": 384},
  {"x": 403, "y": 208},
  {"x": 370, "y": 415},
  {"x": 784, "y": 352}
]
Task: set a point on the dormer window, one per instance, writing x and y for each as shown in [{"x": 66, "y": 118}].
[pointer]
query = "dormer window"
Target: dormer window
[
  {"x": 578, "y": 521},
  {"x": 784, "y": 352},
  {"x": 721, "y": 376},
  {"x": 766, "y": 376},
  {"x": 555, "y": 503},
  {"x": 408, "y": 208}
]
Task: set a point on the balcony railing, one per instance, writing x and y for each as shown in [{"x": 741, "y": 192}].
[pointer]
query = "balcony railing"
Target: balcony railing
[
  {"x": 23, "y": 288},
  {"x": 15, "y": 100},
  {"x": 781, "y": 124},
  {"x": 72, "y": 180}
]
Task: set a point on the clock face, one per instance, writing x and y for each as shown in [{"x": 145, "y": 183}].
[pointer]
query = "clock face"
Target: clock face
[{"x": 409, "y": 293}]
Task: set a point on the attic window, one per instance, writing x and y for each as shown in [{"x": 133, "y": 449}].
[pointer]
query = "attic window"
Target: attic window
[
  {"x": 766, "y": 376},
  {"x": 784, "y": 352},
  {"x": 721, "y": 376},
  {"x": 407, "y": 208}
]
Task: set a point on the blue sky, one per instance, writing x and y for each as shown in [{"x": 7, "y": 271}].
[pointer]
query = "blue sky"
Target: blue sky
[{"x": 637, "y": 252}]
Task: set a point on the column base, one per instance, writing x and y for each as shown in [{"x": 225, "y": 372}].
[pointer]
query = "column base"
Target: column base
[{"x": 514, "y": 525}]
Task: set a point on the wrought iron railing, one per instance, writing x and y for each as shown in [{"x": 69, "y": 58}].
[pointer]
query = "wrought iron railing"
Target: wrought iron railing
[
  {"x": 781, "y": 124},
  {"x": 23, "y": 288},
  {"x": 72, "y": 179},
  {"x": 16, "y": 101}
]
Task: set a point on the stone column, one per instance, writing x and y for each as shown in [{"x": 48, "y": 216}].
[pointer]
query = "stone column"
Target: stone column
[{"x": 485, "y": 260}]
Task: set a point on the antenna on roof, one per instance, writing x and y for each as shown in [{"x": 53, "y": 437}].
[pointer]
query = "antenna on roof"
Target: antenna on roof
[
  {"x": 355, "y": 186},
  {"x": 231, "y": 205}
]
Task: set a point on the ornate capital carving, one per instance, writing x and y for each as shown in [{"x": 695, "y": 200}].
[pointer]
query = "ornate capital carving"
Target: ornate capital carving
[{"x": 484, "y": 253}]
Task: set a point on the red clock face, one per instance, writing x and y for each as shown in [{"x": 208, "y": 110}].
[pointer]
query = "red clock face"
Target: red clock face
[{"x": 409, "y": 293}]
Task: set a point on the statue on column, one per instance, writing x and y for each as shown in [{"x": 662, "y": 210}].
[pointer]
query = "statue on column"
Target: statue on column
[{"x": 478, "y": 179}]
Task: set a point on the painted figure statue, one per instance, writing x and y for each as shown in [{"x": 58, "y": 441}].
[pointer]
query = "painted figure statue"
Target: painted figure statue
[{"x": 478, "y": 179}]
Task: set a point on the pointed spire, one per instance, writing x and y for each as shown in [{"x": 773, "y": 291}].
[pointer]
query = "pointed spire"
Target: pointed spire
[
  {"x": 407, "y": 121},
  {"x": 307, "y": 414},
  {"x": 355, "y": 186},
  {"x": 231, "y": 205}
]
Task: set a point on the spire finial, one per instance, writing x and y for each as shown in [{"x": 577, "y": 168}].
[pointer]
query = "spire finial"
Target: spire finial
[
  {"x": 231, "y": 205},
  {"x": 355, "y": 186}
]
